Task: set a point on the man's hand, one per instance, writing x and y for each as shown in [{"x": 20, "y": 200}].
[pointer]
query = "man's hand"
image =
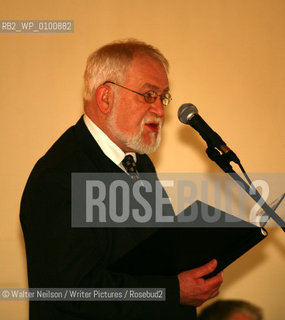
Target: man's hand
[{"x": 194, "y": 290}]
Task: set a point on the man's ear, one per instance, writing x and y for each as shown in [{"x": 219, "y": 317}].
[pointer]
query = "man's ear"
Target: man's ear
[{"x": 104, "y": 98}]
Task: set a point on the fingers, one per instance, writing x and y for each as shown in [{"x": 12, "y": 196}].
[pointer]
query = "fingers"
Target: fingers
[
  {"x": 214, "y": 294},
  {"x": 195, "y": 291},
  {"x": 214, "y": 281},
  {"x": 215, "y": 285},
  {"x": 205, "y": 269}
]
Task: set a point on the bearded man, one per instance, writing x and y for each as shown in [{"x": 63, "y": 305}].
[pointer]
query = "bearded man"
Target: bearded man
[{"x": 126, "y": 91}]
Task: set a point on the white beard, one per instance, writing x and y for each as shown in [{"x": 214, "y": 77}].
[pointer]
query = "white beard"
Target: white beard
[{"x": 135, "y": 142}]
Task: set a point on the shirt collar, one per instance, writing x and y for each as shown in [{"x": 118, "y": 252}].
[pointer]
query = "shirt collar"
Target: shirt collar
[{"x": 110, "y": 149}]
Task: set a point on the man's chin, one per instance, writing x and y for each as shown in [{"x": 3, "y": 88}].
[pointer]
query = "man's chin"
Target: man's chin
[
  {"x": 142, "y": 142},
  {"x": 142, "y": 147},
  {"x": 146, "y": 149}
]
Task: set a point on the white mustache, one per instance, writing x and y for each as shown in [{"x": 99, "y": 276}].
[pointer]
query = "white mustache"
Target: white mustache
[{"x": 149, "y": 119}]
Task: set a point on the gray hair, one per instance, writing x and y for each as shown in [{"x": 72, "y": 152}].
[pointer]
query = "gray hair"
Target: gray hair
[{"x": 111, "y": 62}]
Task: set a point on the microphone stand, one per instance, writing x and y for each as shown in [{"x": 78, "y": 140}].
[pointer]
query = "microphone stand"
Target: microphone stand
[{"x": 223, "y": 161}]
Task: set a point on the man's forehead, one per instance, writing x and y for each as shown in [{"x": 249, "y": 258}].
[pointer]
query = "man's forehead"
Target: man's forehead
[{"x": 149, "y": 72}]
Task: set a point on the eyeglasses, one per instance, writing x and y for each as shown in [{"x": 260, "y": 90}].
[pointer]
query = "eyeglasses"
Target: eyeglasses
[{"x": 149, "y": 96}]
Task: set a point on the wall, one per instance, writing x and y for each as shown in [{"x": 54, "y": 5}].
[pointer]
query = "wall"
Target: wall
[{"x": 227, "y": 57}]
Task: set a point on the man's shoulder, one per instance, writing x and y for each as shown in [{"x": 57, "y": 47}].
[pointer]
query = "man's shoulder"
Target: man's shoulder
[
  {"x": 68, "y": 154},
  {"x": 61, "y": 152}
]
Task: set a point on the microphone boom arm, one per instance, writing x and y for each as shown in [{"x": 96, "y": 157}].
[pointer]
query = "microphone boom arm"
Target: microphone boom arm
[{"x": 224, "y": 163}]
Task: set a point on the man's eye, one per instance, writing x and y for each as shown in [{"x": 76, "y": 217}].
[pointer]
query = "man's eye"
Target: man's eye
[{"x": 151, "y": 94}]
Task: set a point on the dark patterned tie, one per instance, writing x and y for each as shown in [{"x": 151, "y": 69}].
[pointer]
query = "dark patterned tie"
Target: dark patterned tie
[{"x": 130, "y": 165}]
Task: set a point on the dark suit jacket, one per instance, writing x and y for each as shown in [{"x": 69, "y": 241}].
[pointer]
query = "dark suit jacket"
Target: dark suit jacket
[{"x": 60, "y": 256}]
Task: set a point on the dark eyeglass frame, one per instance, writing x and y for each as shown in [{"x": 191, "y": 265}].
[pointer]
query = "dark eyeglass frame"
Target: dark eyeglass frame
[{"x": 150, "y": 96}]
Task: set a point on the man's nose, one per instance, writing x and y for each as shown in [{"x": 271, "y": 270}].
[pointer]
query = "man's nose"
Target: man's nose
[{"x": 157, "y": 108}]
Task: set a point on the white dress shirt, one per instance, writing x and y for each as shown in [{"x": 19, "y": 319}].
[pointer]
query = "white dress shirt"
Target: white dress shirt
[{"x": 110, "y": 149}]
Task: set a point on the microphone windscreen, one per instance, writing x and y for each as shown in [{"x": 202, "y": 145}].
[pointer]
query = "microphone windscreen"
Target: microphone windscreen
[{"x": 186, "y": 112}]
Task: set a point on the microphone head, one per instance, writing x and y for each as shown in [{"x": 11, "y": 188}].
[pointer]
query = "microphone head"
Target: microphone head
[{"x": 186, "y": 112}]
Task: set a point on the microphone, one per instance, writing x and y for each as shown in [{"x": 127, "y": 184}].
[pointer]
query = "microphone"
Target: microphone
[{"x": 188, "y": 114}]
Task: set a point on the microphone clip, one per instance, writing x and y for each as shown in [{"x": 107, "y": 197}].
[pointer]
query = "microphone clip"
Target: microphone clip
[{"x": 221, "y": 159}]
